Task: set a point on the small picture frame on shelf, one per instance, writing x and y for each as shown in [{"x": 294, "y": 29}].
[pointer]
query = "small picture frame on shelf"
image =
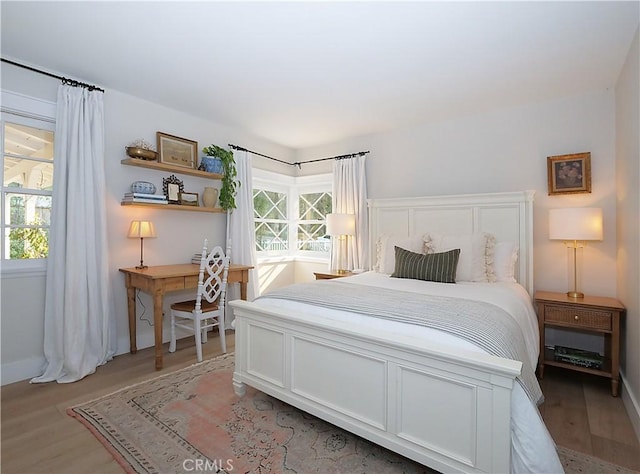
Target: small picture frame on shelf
[
  {"x": 172, "y": 187},
  {"x": 176, "y": 151},
  {"x": 569, "y": 174},
  {"x": 188, "y": 199}
]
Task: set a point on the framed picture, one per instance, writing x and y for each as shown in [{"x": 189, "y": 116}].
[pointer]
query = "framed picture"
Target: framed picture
[
  {"x": 188, "y": 199},
  {"x": 177, "y": 151},
  {"x": 569, "y": 174},
  {"x": 172, "y": 187}
]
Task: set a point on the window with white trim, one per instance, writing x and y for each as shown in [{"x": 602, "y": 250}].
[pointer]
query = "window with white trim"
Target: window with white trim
[
  {"x": 272, "y": 220},
  {"x": 313, "y": 208},
  {"x": 290, "y": 214},
  {"x": 27, "y": 185}
]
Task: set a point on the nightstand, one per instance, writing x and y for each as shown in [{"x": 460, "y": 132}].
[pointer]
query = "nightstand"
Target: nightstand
[
  {"x": 331, "y": 275},
  {"x": 591, "y": 314}
]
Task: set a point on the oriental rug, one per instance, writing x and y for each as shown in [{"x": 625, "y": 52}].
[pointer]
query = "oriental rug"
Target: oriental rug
[{"x": 191, "y": 421}]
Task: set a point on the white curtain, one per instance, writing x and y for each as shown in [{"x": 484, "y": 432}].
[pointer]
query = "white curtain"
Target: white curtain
[
  {"x": 79, "y": 333},
  {"x": 241, "y": 228},
  {"x": 350, "y": 197}
]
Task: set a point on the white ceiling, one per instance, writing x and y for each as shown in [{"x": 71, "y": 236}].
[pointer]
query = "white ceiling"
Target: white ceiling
[{"x": 308, "y": 73}]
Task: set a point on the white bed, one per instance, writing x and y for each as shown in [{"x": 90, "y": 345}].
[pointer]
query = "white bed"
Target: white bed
[{"x": 430, "y": 396}]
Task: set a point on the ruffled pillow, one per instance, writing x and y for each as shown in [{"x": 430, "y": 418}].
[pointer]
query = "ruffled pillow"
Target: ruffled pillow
[
  {"x": 476, "y": 254},
  {"x": 385, "y": 261},
  {"x": 505, "y": 257}
]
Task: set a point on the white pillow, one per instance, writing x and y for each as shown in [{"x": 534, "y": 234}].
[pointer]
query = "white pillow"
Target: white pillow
[
  {"x": 476, "y": 253},
  {"x": 386, "y": 254},
  {"x": 505, "y": 255}
]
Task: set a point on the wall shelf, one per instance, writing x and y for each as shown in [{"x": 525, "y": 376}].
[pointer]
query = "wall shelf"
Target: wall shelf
[
  {"x": 173, "y": 207},
  {"x": 154, "y": 165}
]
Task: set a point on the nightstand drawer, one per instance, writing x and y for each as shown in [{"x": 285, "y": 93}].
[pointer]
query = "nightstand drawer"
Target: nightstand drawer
[{"x": 578, "y": 317}]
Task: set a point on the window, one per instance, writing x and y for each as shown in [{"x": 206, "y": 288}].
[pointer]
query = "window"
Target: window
[
  {"x": 27, "y": 183},
  {"x": 271, "y": 219},
  {"x": 312, "y": 211},
  {"x": 290, "y": 214}
]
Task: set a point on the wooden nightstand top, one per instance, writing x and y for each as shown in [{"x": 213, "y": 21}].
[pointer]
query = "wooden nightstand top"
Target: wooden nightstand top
[
  {"x": 330, "y": 275},
  {"x": 591, "y": 301}
]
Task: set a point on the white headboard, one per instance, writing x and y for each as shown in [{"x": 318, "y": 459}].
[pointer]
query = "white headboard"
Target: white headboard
[{"x": 508, "y": 216}]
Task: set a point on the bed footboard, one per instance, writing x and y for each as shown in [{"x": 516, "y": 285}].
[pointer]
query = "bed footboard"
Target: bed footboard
[{"x": 449, "y": 411}]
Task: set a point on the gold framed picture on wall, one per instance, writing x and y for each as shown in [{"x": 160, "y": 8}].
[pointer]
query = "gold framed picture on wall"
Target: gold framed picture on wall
[
  {"x": 569, "y": 174},
  {"x": 177, "y": 151}
]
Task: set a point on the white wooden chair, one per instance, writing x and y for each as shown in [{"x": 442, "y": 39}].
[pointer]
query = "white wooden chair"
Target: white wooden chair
[{"x": 207, "y": 310}]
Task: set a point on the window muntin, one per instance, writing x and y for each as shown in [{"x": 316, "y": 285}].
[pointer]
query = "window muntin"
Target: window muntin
[
  {"x": 27, "y": 185},
  {"x": 312, "y": 210},
  {"x": 271, "y": 220}
]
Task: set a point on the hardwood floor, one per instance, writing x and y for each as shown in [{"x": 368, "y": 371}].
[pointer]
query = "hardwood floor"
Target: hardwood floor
[
  {"x": 38, "y": 436},
  {"x": 581, "y": 414}
]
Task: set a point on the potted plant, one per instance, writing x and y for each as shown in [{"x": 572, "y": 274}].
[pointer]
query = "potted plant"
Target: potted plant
[{"x": 229, "y": 173}]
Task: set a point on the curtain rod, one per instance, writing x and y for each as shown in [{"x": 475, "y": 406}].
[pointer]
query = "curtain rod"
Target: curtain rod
[
  {"x": 299, "y": 163},
  {"x": 70, "y": 82}
]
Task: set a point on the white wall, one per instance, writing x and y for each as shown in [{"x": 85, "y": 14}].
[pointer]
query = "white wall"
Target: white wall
[
  {"x": 180, "y": 234},
  {"x": 627, "y": 179}
]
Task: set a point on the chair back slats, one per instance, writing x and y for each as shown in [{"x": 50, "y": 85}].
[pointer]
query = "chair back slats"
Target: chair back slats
[{"x": 212, "y": 278}]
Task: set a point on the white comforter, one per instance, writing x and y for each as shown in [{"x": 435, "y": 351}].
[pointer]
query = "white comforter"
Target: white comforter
[{"x": 533, "y": 449}]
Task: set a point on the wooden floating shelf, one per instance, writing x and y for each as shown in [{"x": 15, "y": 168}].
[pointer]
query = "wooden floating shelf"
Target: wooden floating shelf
[
  {"x": 174, "y": 207},
  {"x": 155, "y": 165}
]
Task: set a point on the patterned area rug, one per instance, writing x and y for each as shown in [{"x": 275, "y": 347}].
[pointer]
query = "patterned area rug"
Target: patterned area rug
[{"x": 191, "y": 421}]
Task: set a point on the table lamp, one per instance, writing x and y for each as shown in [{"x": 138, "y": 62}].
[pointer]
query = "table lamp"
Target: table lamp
[
  {"x": 340, "y": 226},
  {"x": 575, "y": 226},
  {"x": 141, "y": 230}
]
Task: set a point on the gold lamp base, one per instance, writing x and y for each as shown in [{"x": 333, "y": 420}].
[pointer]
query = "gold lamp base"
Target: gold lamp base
[
  {"x": 575, "y": 294},
  {"x": 342, "y": 272}
]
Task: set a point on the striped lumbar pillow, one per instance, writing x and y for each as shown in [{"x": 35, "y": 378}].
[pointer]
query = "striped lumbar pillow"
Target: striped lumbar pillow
[{"x": 438, "y": 267}]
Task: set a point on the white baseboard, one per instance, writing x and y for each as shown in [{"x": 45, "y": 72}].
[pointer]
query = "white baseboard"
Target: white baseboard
[
  {"x": 632, "y": 406},
  {"x": 20, "y": 370},
  {"x": 143, "y": 341},
  {"x": 26, "y": 369}
]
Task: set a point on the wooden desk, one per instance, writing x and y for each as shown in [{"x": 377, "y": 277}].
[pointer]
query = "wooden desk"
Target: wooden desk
[{"x": 159, "y": 279}]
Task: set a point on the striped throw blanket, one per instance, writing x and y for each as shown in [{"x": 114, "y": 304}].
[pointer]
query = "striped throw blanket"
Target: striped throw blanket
[{"x": 484, "y": 324}]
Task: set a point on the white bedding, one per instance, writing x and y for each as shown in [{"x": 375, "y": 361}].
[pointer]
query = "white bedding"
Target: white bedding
[{"x": 533, "y": 449}]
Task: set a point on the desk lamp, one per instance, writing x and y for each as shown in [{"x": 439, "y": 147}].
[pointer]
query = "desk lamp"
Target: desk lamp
[
  {"x": 575, "y": 226},
  {"x": 141, "y": 230}
]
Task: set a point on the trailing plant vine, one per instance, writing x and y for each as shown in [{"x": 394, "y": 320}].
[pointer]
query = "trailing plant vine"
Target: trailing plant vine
[{"x": 230, "y": 184}]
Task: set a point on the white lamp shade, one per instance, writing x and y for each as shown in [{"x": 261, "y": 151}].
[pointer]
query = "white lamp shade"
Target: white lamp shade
[
  {"x": 341, "y": 224},
  {"x": 576, "y": 223},
  {"x": 141, "y": 229}
]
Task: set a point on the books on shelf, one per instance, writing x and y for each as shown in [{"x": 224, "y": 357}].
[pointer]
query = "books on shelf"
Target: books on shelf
[
  {"x": 145, "y": 195},
  {"x": 146, "y": 198},
  {"x": 582, "y": 358}
]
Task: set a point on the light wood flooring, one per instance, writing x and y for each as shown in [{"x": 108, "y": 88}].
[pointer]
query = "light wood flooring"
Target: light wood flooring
[
  {"x": 39, "y": 437},
  {"x": 581, "y": 414}
]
